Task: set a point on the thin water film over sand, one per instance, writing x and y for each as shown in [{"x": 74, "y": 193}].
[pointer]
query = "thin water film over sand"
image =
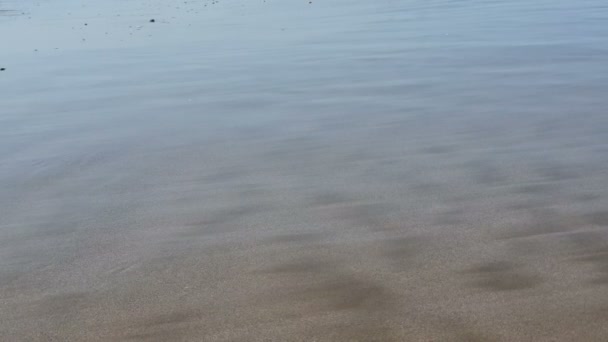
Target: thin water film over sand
[{"x": 303, "y": 171}]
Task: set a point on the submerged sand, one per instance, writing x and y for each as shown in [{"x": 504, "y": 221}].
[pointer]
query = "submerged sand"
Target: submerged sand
[{"x": 337, "y": 171}]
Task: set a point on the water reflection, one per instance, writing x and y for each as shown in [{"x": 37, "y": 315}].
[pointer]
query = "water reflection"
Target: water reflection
[{"x": 328, "y": 171}]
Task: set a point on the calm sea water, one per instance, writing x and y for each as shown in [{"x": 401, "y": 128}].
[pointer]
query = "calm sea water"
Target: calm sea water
[{"x": 145, "y": 160}]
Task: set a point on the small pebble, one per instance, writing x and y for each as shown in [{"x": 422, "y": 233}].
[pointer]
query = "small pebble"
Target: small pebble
[
  {"x": 152, "y": 20},
  {"x": 2, "y": 69}
]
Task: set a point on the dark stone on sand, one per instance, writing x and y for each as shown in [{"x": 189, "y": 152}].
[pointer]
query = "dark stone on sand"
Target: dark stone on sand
[
  {"x": 2, "y": 69},
  {"x": 152, "y": 20}
]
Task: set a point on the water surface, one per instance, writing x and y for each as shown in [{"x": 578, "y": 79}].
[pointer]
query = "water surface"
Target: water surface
[{"x": 295, "y": 171}]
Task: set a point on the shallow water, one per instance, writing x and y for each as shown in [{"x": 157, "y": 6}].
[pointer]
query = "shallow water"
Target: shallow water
[{"x": 295, "y": 171}]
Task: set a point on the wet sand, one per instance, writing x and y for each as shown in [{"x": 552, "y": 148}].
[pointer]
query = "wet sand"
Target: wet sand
[{"x": 334, "y": 171}]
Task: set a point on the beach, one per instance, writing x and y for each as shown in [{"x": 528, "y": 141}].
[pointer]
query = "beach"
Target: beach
[{"x": 303, "y": 171}]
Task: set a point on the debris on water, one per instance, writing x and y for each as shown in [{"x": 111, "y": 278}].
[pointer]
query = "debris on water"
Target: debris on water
[{"x": 152, "y": 20}]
